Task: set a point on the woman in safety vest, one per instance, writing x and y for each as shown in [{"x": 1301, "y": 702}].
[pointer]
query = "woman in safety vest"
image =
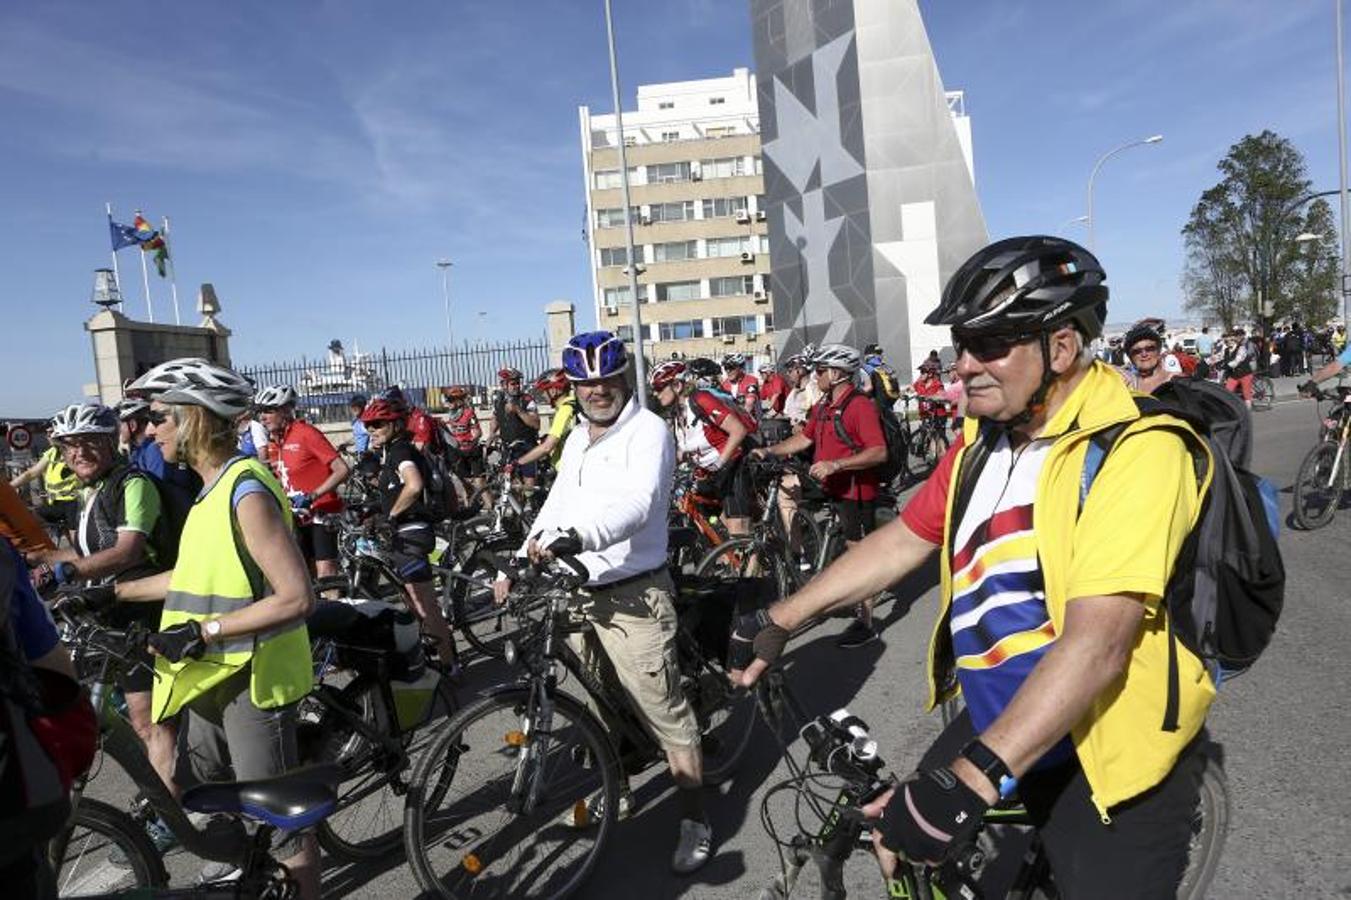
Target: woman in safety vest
[{"x": 232, "y": 650}]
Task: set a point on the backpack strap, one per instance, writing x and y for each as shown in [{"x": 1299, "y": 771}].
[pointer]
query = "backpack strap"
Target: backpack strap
[{"x": 837, "y": 419}]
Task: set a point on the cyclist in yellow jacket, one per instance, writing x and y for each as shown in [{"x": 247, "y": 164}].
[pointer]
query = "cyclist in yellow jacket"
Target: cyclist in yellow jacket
[
  {"x": 232, "y": 650},
  {"x": 1051, "y": 624}
]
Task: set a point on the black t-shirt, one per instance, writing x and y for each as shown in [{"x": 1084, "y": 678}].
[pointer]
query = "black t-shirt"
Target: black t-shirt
[
  {"x": 395, "y": 454},
  {"x": 509, "y": 425}
]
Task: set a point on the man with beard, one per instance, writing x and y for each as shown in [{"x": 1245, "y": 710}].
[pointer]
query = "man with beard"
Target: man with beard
[{"x": 608, "y": 508}]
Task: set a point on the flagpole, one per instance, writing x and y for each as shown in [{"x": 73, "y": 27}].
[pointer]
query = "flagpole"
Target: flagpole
[
  {"x": 145, "y": 277},
  {"x": 173, "y": 270},
  {"x": 117, "y": 279}
]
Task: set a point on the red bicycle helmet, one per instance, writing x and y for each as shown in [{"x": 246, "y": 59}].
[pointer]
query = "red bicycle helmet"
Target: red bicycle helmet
[
  {"x": 552, "y": 381},
  {"x": 381, "y": 410},
  {"x": 508, "y": 374},
  {"x": 454, "y": 393},
  {"x": 667, "y": 373}
]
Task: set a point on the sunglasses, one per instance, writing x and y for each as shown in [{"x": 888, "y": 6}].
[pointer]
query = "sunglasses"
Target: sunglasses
[
  {"x": 1141, "y": 349},
  {"x": 157, "y": 416},
  {"x": 989, "y": 347}
]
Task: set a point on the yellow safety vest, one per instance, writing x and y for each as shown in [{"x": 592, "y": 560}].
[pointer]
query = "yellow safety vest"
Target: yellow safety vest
[
  {"x": 214, "y": 576},
  {"x": 58, "y": 478}
]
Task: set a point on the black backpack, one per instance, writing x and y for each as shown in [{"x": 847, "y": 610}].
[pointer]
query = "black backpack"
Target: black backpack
[
  {"x": 175, "y": 504},
  {"x": 1228, "y": 583},
  {"x": 892, "y": 432}
]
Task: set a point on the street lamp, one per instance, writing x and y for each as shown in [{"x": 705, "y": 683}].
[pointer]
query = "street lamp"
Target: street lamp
[
  {"x": 444, "y": 265},
  {"x": 1152, "y": 139}
]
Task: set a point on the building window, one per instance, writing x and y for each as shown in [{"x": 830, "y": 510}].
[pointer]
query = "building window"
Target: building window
[
  {"x": 677, "y": 331},
  {"x": 769, "y": 322},
  {"x": 618, "y": 256},
  {"x": 609, "y": 178},
  {"x": 620, "y": 296},
  {"x": 679, "y": 211},
  {"x": 733, "y": 286},
  {"x": 667, "y": 173},
  {"x": 625, "y": 333},
  {"x": 675, "y": 251},
  {"x": 727, "y": 167},
  {"x": 730, "y": 246},
  {"x": 670, "y": 135},
  {"x": 716, "y": 101},
  {"x": 723, "y": 207},
  {"x": 672, "y": 291},
  {"x": 666, "y": 104},
  {"x": 735, "y": 325},
  {"x": 719, "y": 131},
  {"x": 613, "y": 218}
]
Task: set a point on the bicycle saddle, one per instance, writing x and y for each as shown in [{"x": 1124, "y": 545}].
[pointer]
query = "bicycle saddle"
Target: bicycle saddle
[{"x": 297, "y": 799}]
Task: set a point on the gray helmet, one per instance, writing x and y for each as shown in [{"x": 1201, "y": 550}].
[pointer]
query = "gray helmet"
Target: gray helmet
[
  {"x": 132, "y": 408},
  {"x": 275, "y": 395},
  {"x": 837, "y": 356},
  {"x": 84, "y": 418},
  {"x": 734, "y": 360},
  {"x": 197, "y": 382}
]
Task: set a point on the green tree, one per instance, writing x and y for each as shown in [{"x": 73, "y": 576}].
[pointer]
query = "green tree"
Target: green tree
[{"x": 1240, "y": 237}]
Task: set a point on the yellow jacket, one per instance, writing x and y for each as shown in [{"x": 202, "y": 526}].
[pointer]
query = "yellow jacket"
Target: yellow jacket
[{"x": 1143, "y": 503}]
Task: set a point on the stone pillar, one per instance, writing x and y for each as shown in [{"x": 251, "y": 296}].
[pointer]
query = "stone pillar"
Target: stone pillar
[
  {"x": 562, "y": 325},
  {"x": 124, "y": 348}
]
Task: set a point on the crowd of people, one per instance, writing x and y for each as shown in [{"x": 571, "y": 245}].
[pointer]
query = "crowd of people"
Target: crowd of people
[{"x": 202, "y": 506}]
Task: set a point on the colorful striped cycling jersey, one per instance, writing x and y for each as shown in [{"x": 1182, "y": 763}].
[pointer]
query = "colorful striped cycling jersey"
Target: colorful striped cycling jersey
[{"x": 1000, "y": 625}]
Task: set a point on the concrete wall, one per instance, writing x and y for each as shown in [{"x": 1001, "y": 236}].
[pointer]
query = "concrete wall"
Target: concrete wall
[{"x": 124, "y": 348}]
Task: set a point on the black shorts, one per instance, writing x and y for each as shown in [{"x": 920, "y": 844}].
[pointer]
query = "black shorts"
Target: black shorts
[
  {"x": 413, "y": 542},
  {"x": 517, "y": 449},
  {"x": 319, "y": 543},
  {"x": 65, "y": 513},
  {"x": 468, "y": 463},
  {"x": 730, "y": 484},
  {"x": 141, "y": 679},
  {"x": 858, "y": 518}
]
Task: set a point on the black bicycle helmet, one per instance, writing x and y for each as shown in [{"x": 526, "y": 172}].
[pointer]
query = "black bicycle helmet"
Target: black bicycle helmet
[
  {"x": 1141, "y": 332},
  {"x": 704, "y": 370},
  {"x": 1025, "y": 285}
]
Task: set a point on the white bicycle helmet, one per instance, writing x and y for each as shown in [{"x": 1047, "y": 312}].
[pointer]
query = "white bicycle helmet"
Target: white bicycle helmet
[
  {"x": 275, "y": 395},
  {"x": 197, "y": 382},
  {"x": 734, "y": 361},
  {"x": 132, "y": 408},
  {"x": 84, "y": 418},
  {"x": 837, "y": 356}
]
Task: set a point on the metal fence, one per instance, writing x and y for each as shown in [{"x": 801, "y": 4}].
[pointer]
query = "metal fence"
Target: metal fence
[{"x": 326, "y": 385}]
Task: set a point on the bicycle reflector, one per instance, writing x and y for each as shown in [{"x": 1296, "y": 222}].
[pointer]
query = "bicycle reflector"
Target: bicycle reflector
[
  {"x": 515, "y": 738},
  {"x": 471, "y": 864}
]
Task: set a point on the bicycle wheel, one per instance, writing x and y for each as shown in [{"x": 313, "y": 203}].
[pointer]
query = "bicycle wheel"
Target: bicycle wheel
[
  {"x": 726, "y": 715},
  {"x": 502, "y": 803},
  {"x": 746, "y": 558},
  {"x": 474, "y": 614},
  {"x": 106, "y": 851},
  {"x": 930, "y": 444},
  {"x": 1263, "y": 393},
  {"x": 1315, "y": 502},
  {"x": 1210, "y": 827},
  {"x": 805, "y": 531}
]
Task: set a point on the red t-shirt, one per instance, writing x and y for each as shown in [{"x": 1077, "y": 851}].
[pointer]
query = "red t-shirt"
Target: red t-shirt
[
  {"x": 303, "y": 460},
  {"x": 462, "y": 427},
  {"x": 863, "y": 426},
  {"x": 774, "y": 392},
  {"x": 422, "y": 428},
  {"x": 926, "y": 510},
  {"x": 714, "y": 413}
]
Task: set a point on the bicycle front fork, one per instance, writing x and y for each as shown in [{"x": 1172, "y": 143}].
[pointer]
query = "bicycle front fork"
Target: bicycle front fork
[{"x": 532, "y": 750}]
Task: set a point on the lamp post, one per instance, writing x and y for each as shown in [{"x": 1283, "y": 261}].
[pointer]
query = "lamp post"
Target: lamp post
[
  {"x": 1152, "y": 139},
  {"x": 1341, "y": 164},
  {"x": 639, "y": 364},
  {"x": 444, "y": 265}
]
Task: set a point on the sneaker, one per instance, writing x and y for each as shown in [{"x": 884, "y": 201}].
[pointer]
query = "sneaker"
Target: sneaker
[
  {"x": 216, "y": 872},
  {"x": 585, "y": 814},
  {"x": 856, "y": 635},
  {"x": 694, "y": 848}
]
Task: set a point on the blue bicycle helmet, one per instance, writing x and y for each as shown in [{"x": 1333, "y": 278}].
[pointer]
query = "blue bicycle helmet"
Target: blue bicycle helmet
[{"x": 594, "y": 354}]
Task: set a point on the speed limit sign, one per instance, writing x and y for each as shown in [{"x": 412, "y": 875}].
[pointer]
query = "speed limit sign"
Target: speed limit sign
[{"x": 20, "y": 438}]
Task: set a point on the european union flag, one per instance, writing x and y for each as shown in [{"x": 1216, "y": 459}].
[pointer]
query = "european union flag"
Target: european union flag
[{"x": 123, "y": 235}]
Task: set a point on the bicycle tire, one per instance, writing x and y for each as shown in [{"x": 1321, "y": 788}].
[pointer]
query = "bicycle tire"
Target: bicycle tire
[
  {"x": 473, "y": 613},
  {"x": 810, "y": 537},
  {"x": 1210, "y": 828},
  {"x": 1263, "y": 393},
  {"x": 726, "y": 716},
  {"x": 1314, "y": 502},
  {"x": 96, "y": 828},
  {"x": 736, "y": 558},
  {"x": 514, "y": 872}
]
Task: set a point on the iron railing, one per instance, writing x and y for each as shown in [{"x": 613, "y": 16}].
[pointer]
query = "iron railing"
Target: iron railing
[{"x": 327, "y": 385}]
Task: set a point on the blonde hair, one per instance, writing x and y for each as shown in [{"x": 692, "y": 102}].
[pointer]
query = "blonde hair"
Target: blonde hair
[{"x": 203, "y": 436}]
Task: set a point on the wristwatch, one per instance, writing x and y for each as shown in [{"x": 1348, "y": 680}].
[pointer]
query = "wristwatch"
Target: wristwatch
[
  {"x": 211, "y": 630},
  {"x": 990, "y": 765}
]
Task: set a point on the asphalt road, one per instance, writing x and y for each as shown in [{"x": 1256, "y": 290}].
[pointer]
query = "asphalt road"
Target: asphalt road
[{"x": 1283, "y": 727}]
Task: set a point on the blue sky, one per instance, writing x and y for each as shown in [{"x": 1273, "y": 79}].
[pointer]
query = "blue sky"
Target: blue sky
[{"x": 316, "y": 158}]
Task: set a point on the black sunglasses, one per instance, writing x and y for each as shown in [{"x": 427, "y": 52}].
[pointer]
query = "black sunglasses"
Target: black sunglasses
[
  {"x": 1142, "y": 348},
  {"x": 989, "y": 347},
  {"x": 157, "y": 416}
]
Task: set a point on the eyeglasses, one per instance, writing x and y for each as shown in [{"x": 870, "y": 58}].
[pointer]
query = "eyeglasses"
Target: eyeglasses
[
  {"x": 989, "y": 347},
  {"x": 157, "y": 416},
  {"x": 1142, "y": 349}
]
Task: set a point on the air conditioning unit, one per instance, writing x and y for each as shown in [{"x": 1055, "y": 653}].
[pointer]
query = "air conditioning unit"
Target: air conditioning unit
[
  {"x": 761, "y": 297},
  {"x": 743, "y": 217},
  {"x": 750, "y": 338},
  {"x": 729, "y": 339},
  {"x": 748, "y": 257},
  {"x": 759, "y": 215},
  {"x": 696, "y": 174},
  {"x": 612, "y": 310},
  {"x": 644, "y": 220}
]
